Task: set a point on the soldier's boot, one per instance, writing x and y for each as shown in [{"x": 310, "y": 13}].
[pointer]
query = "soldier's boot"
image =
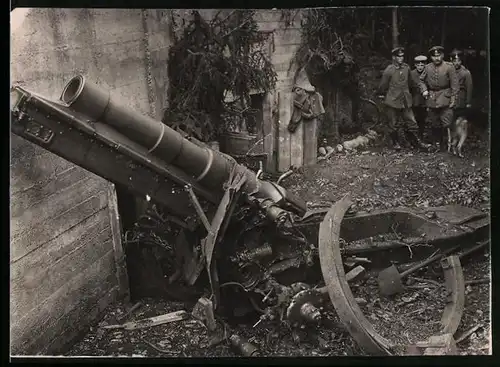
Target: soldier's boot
[
  {"x": 436, "y": 137},
  {"x": 443, "y": 139},
  {"x": 395, "y": 142},
  {"x": 417, "y": 142},
  {"x": 403, "y": 141}
]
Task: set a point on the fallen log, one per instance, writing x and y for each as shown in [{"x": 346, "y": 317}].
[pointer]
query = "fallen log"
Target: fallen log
[{"x": 478, "y": 281}]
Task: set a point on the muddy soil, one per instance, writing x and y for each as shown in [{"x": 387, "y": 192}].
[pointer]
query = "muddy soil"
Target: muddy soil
[{"x": 375, "y": 178}]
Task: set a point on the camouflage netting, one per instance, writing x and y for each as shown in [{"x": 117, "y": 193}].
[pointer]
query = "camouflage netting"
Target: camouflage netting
[{"x": 210, "y": 59}]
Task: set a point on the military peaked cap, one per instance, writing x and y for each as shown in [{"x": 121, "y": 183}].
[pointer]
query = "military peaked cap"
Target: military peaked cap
[
  {"x": 436, "y": 50},
  {"x": 398, "y": 51},
  {"x": 420, "y": 58}
]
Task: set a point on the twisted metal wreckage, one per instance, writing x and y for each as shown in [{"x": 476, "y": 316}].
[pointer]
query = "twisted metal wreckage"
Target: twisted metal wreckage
[{"x": 242, "y": 229}]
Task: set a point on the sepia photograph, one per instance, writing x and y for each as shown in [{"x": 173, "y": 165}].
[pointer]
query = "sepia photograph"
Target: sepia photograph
[{"x": 213, "y": 183}]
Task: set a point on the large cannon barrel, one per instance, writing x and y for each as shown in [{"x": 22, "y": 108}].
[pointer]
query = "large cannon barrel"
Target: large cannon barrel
[{"x": 210, "y": 168}]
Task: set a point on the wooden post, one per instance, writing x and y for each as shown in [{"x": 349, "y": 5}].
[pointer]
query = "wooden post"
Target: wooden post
[
  {"x": 310, "y": 142},
  {"x": 284, "y": 151},
  {"x": 116, "y": 231},
  {"x": 297, "y": 147},
  {"x": 268, "y": 131}
]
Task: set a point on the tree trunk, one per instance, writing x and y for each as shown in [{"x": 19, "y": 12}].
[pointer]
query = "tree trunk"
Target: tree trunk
[
  {"x": 395, "y": 31},
  {"x": 443, "y": 30},
  {"x": 373, "y": 33},
  {"x": 421, "y": 37}
]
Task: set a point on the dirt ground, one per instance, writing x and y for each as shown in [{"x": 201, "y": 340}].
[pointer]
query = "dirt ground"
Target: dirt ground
[{"x": 375, "y": 178}]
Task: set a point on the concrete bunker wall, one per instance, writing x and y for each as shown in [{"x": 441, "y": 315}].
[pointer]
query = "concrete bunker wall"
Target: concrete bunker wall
[{"x": 66, "y": 261}]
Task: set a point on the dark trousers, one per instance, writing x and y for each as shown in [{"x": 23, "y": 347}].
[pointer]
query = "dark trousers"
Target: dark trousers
[
  {"x": 439, "y": 119},
  {"x": 401, "y": 119},
  {"x": 420, "y": 113}
]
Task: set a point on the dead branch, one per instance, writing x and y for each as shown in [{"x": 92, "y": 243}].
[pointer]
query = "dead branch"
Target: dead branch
[
  {"x": 162, "y": 351},
  {"x": 422, "y": 280},
  {"x": 478, "y": 281},
  {"x": 468, "y": 333}
]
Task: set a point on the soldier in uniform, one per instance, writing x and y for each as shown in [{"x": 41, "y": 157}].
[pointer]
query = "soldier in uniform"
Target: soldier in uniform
[
  {"x": 465, "y": 85},
  {"x": 439, "y": 86},
  {"x": 394, "y": 88},
  {"x": 419, "y": 108}
]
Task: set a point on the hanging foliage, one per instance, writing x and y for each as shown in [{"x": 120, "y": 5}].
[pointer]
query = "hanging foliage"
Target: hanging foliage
[
  {"x": 213, "y": 58},
  {"x": 329, "y": 40}
]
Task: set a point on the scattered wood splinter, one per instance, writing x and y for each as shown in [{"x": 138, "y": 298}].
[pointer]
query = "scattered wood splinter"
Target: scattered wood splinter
[{"x": 152, "y": 321}]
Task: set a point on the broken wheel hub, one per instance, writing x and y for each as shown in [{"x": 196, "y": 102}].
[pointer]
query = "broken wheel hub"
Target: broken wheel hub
[{"x": 304, "y": 306}]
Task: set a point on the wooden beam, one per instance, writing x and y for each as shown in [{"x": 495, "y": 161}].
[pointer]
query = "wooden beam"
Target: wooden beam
[
  {"x": 116, "y": 237},
  {"x": 310, "y": 142},
  {"x": 67, "y": 311},
  {"x": 31, "y": 239},
  {"x": 284, "y": 151}
]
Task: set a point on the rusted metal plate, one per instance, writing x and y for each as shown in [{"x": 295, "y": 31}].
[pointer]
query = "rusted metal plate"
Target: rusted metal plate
[{"x": 338, "y": 289}]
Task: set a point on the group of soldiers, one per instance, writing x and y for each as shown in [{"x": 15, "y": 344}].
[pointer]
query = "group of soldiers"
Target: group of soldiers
[{"x": 422, "y": 103}]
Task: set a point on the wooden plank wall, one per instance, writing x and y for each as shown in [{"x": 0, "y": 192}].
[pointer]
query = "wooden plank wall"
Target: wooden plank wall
[
  {"x": 64, "y": 249},
  {"x": 66, "y": 259},
  {"x": 286, "y": 149}
]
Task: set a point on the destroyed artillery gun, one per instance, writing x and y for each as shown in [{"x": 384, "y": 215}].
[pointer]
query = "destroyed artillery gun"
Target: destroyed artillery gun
[{"x": 233, "y": 229}]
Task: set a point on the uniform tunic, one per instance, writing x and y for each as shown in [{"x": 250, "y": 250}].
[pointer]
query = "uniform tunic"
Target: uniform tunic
[
  {"x": 442, "y": 83},
  {"x": 418, "y": 102},
  {"x": 418, "y": 99},
  {"x": 465, "y": 86},
  {"x": 395, "y": 85}
]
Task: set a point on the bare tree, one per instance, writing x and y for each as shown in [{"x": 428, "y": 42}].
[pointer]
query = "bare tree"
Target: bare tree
[{"x": 443, "y": 29}]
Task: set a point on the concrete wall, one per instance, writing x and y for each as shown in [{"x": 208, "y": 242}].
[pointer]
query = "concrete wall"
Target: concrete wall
[
  {"x": 286, "y": 149},
  {"x": 66, "y": 259}
]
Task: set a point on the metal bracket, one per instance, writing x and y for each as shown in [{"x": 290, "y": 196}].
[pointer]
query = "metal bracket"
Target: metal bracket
[
  {"x": 219, "y": 225},
  {"x": 198, "y": 207},
  {"x": 38, "y": 132},
  {"x": 284, "y": 175}
]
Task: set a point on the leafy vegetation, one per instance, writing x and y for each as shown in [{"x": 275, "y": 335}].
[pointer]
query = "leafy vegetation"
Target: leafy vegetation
[{"x": 211, "y": 59}]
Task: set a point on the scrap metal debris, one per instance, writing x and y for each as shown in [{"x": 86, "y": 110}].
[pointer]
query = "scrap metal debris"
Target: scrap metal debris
[
  {"x": 266, "y": 264},
  {"x": 244, "y": 347},
  {"x": 204, "y": 311}
]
